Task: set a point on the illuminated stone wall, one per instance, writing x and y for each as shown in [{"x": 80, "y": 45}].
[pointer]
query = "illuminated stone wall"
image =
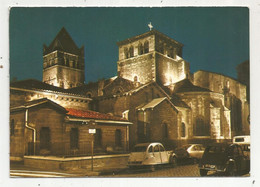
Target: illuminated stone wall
[
  {"x": 169, "y": 70},
  {"x": 63, "y": 69},
  {"x": 235, "y": 97},
  {"x": 18, "y": 98},
  {"x": 209, "y": 111},
  {"x": 63, "y": 77},
  {"x": 160, "y": 61}
]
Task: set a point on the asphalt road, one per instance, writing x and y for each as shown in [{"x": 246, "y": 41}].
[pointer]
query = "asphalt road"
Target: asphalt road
[{"x": 187, "y": 170}]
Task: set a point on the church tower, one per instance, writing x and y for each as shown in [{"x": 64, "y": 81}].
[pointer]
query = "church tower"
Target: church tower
[
  {"x": 63, "y": 62},
  {"x": 152, "y": 56}
]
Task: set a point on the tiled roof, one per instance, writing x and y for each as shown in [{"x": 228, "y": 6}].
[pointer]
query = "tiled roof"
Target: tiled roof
[
  {"x": 62, "y": 42},
  {"x": 92, "y": 115}
]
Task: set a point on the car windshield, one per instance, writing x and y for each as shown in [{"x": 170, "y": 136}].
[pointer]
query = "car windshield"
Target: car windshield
[
  {"x": 185, "y": 147},
  {"x": 216, "y": 149},
  {"x": 140, "y": 148}
]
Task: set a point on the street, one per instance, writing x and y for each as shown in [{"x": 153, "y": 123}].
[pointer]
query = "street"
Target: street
[{"x": 184, "y": 170}]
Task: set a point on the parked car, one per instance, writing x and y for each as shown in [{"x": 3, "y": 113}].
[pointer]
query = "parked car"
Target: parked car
[
  {"x": 228, "y": 158},
  {"x": 244, "y": 142},
  {"x": 190, "y": 151},
  {"x": 151, "y": 155}
]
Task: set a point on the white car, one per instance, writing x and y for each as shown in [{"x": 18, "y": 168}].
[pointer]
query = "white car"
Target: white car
[
  {"x": 190, "y": 151},
  {"x": 151, "y": 154}
]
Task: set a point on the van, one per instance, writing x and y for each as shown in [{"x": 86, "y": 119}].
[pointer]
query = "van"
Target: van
[{"x": 244, "y": 142}]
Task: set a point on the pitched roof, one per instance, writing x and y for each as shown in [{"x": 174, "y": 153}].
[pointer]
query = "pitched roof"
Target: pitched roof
[
  {"x": 38, "y": 102},
  {"x": 92, "y": 115},
  {"x": 33, "y": 84},
  {"x": 133, "y": 91},
  {"x": 186, "y": 86},
  {"x": 155, "y": 102},
  {"x": 152, "y": 104},
  {"x": 63, "y": 42}
]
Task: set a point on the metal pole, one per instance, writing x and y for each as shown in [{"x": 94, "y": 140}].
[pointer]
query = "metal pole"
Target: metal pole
[{"x": 92, "y": 150}]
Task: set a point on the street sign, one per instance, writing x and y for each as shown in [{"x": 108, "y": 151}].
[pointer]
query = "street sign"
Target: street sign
[{"x": 91, "y": 131}]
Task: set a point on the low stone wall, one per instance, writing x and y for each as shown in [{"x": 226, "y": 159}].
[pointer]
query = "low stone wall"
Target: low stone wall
[{"x": 99, "y": 162}]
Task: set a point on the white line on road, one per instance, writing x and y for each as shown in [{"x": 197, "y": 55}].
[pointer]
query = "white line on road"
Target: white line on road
[{"x": 47, "y": 172}]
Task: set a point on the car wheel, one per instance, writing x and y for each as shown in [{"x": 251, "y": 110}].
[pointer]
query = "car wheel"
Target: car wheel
[
  {"x": 195, "y": 161},
  {"x": 152, "y": 168},
  {"x": 203, "y": 172},
  {"x": 231, "y": 170},
  {"x": 173, "y": 161}
]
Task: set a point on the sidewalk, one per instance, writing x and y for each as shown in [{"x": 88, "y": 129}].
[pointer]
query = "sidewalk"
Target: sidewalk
[{"x": 78, "y": 172}]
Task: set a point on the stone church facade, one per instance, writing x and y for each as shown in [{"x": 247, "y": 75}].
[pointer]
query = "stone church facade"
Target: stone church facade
[{"x": 154, "y": 96}]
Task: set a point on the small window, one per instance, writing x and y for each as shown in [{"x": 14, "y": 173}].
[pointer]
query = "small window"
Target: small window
[
  {"x": 183, "y": 130},
  {"x": 98, "y": 138},
  {"x": 162, "y": 149},
  {"x": 12, "y": 127},
  {"x": 118, "y": 138},
  {"x": 135, "y": 78},
  {"x": 140, "y": 49},
  {"x": 131, "y": 51},
  {"x": 156, "y": 148},
  {"x": 150, "y": 150},
  {"x": 146, "y": 47},
  {"x": 74, "y": 138},
  {"x": 126, "y": 53},
  {"x": 45, "y": 138},
  {"x": 164, "y": 131}
]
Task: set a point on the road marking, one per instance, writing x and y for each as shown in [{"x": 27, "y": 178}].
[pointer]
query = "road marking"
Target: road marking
[
  {"x": 32, "y": 171},
  {"x": 26, "y": 173}
]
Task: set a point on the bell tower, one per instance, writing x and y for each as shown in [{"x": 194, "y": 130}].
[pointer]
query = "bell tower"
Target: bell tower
[
  {"x": 63, "y": 62},
  {"x": 152, "y": 56}
]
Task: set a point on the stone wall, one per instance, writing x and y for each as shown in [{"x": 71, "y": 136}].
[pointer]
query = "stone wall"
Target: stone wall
[
  {"x": 99, "y": 163},
  {"x": 208, "y": 110},
  {"x": 64, "y": 77},
  {"x": 18, "y": 98},
  {"x": 140, "y": 69},
  {"x": 17, "y": 142},
  {"x": 63, "y": 69}
]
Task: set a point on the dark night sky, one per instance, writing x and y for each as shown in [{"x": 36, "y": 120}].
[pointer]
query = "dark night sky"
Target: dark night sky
[{"x": 215, "y": 39}]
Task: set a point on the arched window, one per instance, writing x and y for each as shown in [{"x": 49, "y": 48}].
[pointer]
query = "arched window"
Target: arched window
[
  {"x": 146, "y": 47},
  {"x": 126, "y": 53},
  {"x": 164, "y": 131},
  {"x": 183, "y": 130},
  {"x": 140, "y": 49},
  {"x": 61, "y": 84},
  {"x": 89, "y": 95},
  {"x": 135, "y": 78},
  {"x": 131, "y": 51},
  {"x": 201, "y": 128}
]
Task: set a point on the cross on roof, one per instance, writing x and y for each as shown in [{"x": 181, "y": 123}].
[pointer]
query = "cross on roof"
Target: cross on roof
[{"x": 150, "y": 26}]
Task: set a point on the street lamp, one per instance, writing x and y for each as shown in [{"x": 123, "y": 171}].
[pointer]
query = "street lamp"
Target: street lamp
[{"x": 92, "y": 131}]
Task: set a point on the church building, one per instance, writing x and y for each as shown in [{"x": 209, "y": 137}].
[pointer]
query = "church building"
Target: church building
[{"x": 153, "y": 97}]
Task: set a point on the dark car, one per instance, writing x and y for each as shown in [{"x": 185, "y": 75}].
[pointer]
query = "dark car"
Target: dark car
[{"x": 228, "y": 158}]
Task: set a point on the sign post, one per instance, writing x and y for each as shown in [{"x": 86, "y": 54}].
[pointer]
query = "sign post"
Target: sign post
[{"x": 92, "y": 132}]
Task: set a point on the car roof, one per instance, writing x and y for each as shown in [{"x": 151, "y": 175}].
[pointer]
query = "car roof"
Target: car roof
[{"x": 148, "y": 144}]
